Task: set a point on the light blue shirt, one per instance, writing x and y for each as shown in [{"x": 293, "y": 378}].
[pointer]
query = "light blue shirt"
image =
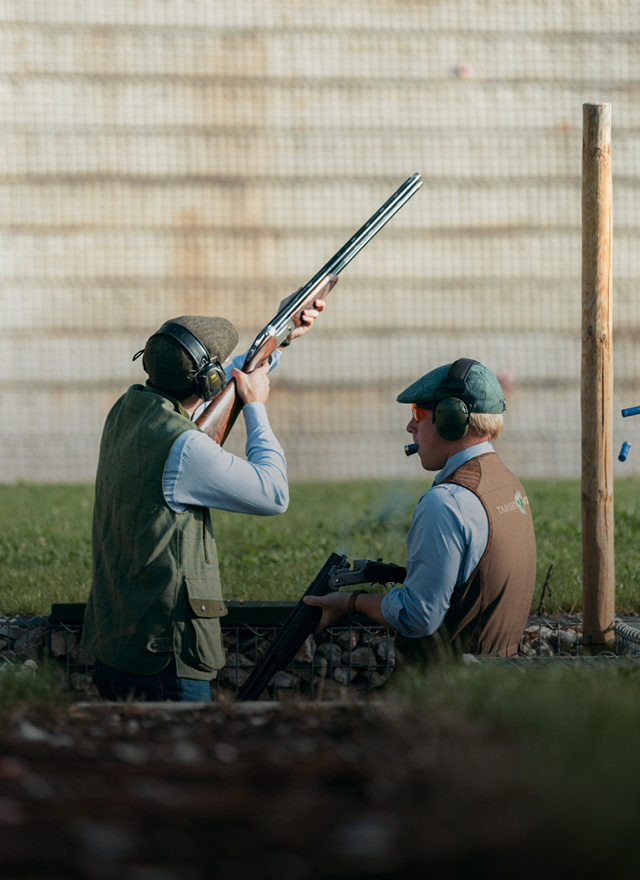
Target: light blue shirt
[
  {"x": 199, "y": 472},
  {"x": 448, "y": 536}
]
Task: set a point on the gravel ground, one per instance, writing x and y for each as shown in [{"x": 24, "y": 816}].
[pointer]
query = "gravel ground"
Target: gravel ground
[{"x": 269, "y": 790}]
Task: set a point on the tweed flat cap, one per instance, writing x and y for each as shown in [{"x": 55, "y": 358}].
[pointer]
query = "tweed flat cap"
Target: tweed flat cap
[
  {"x": 167, "y": 363},
  {"x": 480, "y": 389}
]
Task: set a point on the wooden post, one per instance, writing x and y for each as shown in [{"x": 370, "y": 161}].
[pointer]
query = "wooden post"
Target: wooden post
[{"x": 598, "y": 567}]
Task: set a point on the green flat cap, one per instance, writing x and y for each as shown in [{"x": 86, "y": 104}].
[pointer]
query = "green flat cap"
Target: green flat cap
[
  {"x": 167, "y": 363},
  {"x": 479, "y": 388}
]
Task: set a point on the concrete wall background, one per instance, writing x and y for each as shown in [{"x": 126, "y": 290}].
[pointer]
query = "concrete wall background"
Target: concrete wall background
[{"x": 168, "y": 157}]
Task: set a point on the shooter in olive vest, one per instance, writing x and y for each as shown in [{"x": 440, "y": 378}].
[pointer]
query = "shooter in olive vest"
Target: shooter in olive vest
[
  {"x": 153, "y": 615},
  {"x": 471, "y": 566}
]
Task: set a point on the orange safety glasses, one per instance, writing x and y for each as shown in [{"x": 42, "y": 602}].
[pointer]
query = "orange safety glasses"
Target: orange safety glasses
[{"x": 419, "y": 413}]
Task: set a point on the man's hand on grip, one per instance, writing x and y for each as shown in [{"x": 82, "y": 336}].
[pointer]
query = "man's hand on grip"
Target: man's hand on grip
[{"x": 253, "y": 387}]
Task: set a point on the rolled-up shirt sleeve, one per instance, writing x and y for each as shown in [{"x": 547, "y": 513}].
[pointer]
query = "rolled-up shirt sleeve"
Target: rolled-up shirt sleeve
[
  {"x": 201, "y": 473},
  {"x": 448, "y": 535}
]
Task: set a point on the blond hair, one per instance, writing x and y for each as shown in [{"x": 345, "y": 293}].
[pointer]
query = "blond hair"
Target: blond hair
[{"x": 487, "y": 423}]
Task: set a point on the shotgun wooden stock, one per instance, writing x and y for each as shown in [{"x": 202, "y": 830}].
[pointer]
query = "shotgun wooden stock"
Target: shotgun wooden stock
[{"x": 219, "y": 416}]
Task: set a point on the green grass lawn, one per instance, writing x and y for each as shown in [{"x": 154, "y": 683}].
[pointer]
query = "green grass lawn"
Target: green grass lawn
[
  {"x": 572, "y": 730},
  {"x": 45, "y": 553}
]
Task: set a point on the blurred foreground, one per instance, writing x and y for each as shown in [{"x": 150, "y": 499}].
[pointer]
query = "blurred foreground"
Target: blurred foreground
[{"x": 465, "y": 770}]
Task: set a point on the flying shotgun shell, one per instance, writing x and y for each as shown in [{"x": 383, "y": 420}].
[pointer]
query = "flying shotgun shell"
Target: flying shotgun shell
[
  {"x": 624, "y": 451},
  {"x": 631, "y": 411}
]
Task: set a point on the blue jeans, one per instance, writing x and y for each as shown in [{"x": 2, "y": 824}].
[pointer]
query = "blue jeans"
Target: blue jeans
[{"x": 166, "y": 685}]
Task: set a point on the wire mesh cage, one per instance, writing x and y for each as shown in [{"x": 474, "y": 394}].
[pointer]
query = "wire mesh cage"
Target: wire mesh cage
[{"x": 349, "y": 662}]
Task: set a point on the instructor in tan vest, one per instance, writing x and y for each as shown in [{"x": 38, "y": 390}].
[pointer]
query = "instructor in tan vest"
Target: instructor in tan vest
[{"x": 471, "y": 564}]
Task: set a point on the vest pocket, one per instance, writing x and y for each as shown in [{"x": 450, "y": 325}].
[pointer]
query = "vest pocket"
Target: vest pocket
[
  {"x": 207, "y": 607},
  {"x": 202, "y": 646}
]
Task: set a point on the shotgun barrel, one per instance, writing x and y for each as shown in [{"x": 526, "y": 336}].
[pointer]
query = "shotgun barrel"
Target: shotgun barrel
[
  {"x": 281, "y": 326},
  {"x": 299, "y": 625}
]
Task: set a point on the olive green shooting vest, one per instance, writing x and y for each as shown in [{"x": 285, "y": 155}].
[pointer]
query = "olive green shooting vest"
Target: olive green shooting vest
[{"x": 156, "y": 586}]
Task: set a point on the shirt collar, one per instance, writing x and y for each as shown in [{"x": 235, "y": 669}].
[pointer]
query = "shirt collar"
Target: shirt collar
[{"x": 461, "y": 457}]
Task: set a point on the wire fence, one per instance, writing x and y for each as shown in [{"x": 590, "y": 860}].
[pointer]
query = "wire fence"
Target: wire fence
[
  {"x": 167, "y": 158},
  {"x": 348, "y": 662}
]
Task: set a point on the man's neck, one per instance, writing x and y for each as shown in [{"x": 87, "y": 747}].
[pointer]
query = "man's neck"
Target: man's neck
[
  {"x": 450, "y": 465},
  {"x": 191, "y": 403}
]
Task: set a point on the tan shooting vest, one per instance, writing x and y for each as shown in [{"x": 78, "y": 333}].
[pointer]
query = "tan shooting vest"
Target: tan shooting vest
[{"x": 488, "y": 613}]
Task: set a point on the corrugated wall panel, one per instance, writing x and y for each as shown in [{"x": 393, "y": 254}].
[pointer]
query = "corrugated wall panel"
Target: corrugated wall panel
[{"x": 166, "y": 158}]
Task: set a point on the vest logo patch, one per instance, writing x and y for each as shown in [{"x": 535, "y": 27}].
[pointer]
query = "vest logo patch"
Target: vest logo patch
[{"x": 519, "y": 503}]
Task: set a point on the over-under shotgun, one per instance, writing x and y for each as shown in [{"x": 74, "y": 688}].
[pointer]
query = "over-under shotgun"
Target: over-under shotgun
[
  {"x": 220, "y": 414},
  {"x": 303, "y": 620}
]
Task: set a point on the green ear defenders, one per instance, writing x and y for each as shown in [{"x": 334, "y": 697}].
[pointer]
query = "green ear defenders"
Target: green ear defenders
[
  {"x": 208, "y": 373},
  {"x": 454, "y": 407}
]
